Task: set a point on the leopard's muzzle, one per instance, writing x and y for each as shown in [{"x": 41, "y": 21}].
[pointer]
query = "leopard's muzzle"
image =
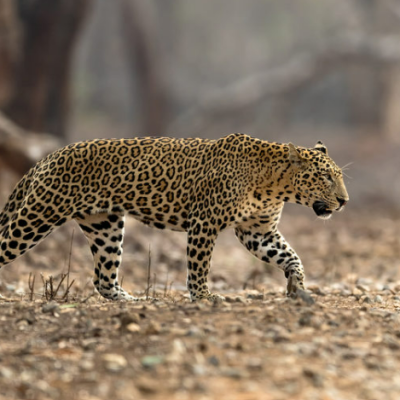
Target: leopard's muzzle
[
  {"x": 342, "y": 203},
  {"x": 321, "y": 209}
]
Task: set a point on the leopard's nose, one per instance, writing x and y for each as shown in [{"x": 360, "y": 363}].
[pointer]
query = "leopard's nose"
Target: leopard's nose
[{"x": 342, "y": 202}]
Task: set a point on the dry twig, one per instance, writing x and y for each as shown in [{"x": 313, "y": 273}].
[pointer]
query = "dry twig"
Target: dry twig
[
  {"x": 148, "y": 275},
  {"x": 31, "y": 285}
]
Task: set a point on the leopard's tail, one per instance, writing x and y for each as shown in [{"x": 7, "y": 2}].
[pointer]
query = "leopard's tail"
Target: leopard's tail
[{"x": 16, "y": 199}]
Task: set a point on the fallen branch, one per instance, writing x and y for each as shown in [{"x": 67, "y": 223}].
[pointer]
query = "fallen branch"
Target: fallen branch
[
  {"x": 284, "y": 80},
  {"x": 20, "y": 149}
]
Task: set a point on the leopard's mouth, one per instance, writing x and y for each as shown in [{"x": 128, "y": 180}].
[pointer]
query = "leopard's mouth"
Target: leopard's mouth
[{"x": 321, "y": 209}]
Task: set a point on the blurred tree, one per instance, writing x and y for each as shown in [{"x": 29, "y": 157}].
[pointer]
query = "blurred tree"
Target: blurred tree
[
  {"x": 38, "y": 38},
  {"x": 141, "y": 39},
  {"x": 20, "y": 149},
  {"x": 9, "y": 45}
]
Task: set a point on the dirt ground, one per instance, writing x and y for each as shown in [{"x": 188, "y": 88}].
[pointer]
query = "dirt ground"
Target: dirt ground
[{"x": 342, "y": 341}]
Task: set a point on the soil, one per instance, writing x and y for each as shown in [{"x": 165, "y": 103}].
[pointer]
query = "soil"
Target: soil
[{"x": 339, "y": 340}]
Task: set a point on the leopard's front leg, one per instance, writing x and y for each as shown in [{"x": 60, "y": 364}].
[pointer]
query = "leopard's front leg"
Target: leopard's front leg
[{"x": 272, "y": 248}]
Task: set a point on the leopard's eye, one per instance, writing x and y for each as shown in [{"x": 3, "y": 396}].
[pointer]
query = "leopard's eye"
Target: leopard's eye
[{"x": 328, "y": 176}]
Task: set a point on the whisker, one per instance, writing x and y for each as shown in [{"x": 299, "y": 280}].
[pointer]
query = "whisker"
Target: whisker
[
  {"x": 347, "y": 176},
  {"x": 347, "y": 165}
]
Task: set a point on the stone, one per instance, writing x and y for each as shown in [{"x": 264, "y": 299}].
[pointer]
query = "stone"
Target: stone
[
  {"x": 363, "y": 288},
  {"x": 305, "y": 297},
  {"x": 357, "y": 292},
  {"x": 316, "y": 290},
  {"x": 391, "y": 342},
  {"x": 6, "y": 372},
  {"x": 366, "y": 300},
  {"x": 114, "y": 362},
  {"x": 255, "y": 296},
  {"x": 127, "y": 318},
  {"x": 51, "y": 307},
  {"x": 378, "y": 299},
  {"x": 314, "y": 376},
  {"x": 254, "y": 364},
  {"x": 147, "y": 385},
  {"x": 240, "y": 299},
  {"x": 133, "y": 327},
  {"x": 154, "y": 328},
  {"x": 151, "y": 361},
  {"x": 177, "y": 353},
  {"x": 194, "y": 331},
  {"x": 213, "y": 360},
  {"x": 234, "y": 373}
]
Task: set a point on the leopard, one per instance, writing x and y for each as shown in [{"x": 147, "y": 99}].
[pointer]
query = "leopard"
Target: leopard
[{"x": 193, "y": 185}]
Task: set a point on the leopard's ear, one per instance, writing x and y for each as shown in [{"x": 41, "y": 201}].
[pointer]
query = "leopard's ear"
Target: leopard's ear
[
  {"x": 321, "y": 147},
  {"x": 295, "y": 157}
]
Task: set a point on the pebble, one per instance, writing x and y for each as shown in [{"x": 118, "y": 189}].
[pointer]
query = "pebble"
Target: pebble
[
  {"x": 235, "y": 328},
  {"x": 378, "y": 299},
  {"x": 282, "y": 337},
  {"x": 194, "y": 331},
  {"x": 6, "y": 372},
  {"x": 234, "y": 373},
  {"x": 199, "y": 369},
  {"x": 391, "y": 342},
  {"x": 114, "y": 362},
  {"x": 154, "y": 328},
  {"x": 133, "y": 327},
  {"x": 254, "y": 364},
  {"x": 147, "y": 385},
  {"x": 92, "y": 299},
  {"x": 367, "y": 300},
  {"x": 127, "y": 318},
  {"x": 213, "y": 360},
  {"x": 10, "y": 288},
  {"x": 278, "y": 334},
  {"x": 151, "y": 361},
  {"x": 236, "y": 299},
  {"x": 310, "y": 320},
  {"x": 357, "y": 292},
  {"x": 51, "y": 307},
  {"x": 177, "y": 353},
  {"x": 363, "y": 288},
  {"x": 315, "y": 377},
  {"x": 305, "y": 297},
  {"x": 316, "y": 290},
  {"x": 255, "y": 296},
  {"x": 240, "y": 299},
  {"x": 175, "y": 331}
]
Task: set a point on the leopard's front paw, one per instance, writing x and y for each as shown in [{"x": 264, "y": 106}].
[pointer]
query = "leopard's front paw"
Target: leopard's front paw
[
  {"x": 294, "y": 283},
  {"x": 117, "y": 294},
  {"x": 213, "y": 297}
]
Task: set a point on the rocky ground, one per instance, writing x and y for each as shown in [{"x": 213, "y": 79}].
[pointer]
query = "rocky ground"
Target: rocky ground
[{"x": 341, "y": 340}]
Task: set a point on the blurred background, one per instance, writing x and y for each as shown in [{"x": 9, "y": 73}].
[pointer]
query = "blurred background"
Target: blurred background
[{"x": 285, "y": 70}]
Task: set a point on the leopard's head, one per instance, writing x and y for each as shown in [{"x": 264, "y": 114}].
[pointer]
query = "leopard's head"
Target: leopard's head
[{"x": 317, "y": 180}]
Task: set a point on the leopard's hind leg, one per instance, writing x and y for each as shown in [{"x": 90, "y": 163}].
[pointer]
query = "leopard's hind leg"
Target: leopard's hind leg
[{"x": 105, "y": 234}]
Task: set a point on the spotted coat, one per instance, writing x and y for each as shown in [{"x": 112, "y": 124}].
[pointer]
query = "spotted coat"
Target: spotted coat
[{"x": 195, "y": 185}]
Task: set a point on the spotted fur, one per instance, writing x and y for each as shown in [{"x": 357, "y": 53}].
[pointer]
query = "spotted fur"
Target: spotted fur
[{"x": 195, "y": 185}]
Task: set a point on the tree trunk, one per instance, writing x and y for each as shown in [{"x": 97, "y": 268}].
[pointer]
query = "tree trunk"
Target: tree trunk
[
  {"x": 140, "y": 32},
  {"x": 40, "y": 96},
  {"x": 9, "y": 49},
  {"x": 391, "y": 115},
  {"x": 20, "y": 149}
]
